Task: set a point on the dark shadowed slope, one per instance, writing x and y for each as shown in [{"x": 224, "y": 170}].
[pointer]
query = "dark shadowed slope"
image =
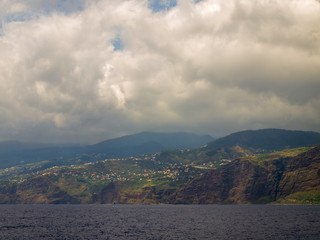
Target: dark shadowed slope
[
  {"x": 149, "y": 142},
  {"x": 17, "y": 153},
  {"x": 267, "y": 139}
]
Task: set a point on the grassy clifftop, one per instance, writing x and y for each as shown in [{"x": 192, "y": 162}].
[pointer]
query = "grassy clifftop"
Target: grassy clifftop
[{"x": 244, "y": 181}]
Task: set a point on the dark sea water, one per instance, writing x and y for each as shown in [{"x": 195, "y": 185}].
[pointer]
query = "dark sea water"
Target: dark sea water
[{"x": 159, "y": 222}]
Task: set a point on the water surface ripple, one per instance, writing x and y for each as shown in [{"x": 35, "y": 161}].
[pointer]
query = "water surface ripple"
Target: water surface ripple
[{"x": 159, "y": 222}]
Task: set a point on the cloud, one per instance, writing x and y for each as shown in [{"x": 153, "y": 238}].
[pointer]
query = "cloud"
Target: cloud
[
  {"x": 101, "y": 69},
  {"x": 161, "y": 5}
]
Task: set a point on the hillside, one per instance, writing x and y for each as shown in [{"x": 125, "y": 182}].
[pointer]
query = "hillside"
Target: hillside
[
  {"x": 266, "y": 140},
  {"x": 243, "y": 144},
  {"x": 220, "y": 151},
  {"x": 129, "y": 180},
  {"x": 249, "y": 180},
  {"x": 289, "y": 176},
  {"x": 148, "y": 143},
  {"x": 18, "y": 153},
  {"x": 242, "y": 173}
]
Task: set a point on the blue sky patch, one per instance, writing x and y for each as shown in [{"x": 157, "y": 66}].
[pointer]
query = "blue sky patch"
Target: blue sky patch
[
  {"x": 161, "y": 5},
  {"x": 117, "y": 44},
  {"x": 19, "y": 17},
  {"x": 61, "y": 6},
  {"x": 70, "y": 6}
]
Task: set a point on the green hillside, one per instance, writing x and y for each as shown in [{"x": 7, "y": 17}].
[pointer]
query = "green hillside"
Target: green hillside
[
  {"x": 241, "y": 173},
  {"x": 88, "y": 183},
  {"x": 258, "y": 178},
  {"x": 291, "y": 176}
]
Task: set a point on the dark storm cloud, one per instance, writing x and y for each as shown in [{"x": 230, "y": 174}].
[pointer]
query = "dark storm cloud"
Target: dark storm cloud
[{"x": 209, "y": 66}]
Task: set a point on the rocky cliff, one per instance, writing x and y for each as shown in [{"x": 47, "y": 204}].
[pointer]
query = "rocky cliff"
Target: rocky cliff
[
  {"x": 245, "y": 181},
  {"x": 287, "y": 176}
]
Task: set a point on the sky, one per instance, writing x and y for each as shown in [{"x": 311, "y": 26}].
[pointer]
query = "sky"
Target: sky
[{"x": 83, "y": 71}]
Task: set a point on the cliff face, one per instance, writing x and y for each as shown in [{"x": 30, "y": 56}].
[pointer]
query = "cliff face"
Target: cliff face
[
  {"x": 37, "y": 190},
  {"x": 302, "y": 174},
  {"x": 117, "y": 193},
  {"x": 239, "y": 182},
  {"x": 243, "y": 181}
]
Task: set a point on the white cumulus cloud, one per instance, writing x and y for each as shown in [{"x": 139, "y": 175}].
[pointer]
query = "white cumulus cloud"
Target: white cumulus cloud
[{"x": 209, "y": 66}]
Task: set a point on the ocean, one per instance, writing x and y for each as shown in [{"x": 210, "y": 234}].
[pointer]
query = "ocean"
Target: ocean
[{"x": 159, "y": 222}]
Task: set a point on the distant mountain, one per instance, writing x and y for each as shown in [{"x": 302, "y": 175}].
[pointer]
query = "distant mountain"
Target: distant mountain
[
  {"x": 242, "y": 144},
  {"x": 9, "y": 146},
  {"x": 14, "y": 153},
  {"x": 17, "y": 153},
  {"x": 266, "y": 139},
  {"x": 243, "y": 167},
  {"x": 147, "y": 143}
]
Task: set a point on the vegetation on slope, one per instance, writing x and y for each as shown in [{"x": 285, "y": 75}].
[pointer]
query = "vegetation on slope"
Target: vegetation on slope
[
  {"x": 127, "y": 180},
  {"x": 309, "y": 197},
  {"x": 229, "y": 174},
  {"x": 245, "y": 181}
]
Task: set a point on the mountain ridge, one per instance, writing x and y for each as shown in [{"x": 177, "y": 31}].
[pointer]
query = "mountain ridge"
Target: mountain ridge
[
  {"x": 267, "y": 139},
  {"x": 125, "y": 146},
  {"x": 246, "y": 171},
  {"x": 168, "y": 140}
]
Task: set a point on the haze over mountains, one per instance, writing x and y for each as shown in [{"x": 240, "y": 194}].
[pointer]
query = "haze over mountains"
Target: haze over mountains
[
  {"x": 267, "y": 139},
  {"x": 93, "y": 68},
  {"x": 84, "y": 70},
  {"x": 258, "y": 166},
  {"x": 17, "y": 153},
  {"x": 149, "y": 142},
  {"x": 14, "y": 153}
]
